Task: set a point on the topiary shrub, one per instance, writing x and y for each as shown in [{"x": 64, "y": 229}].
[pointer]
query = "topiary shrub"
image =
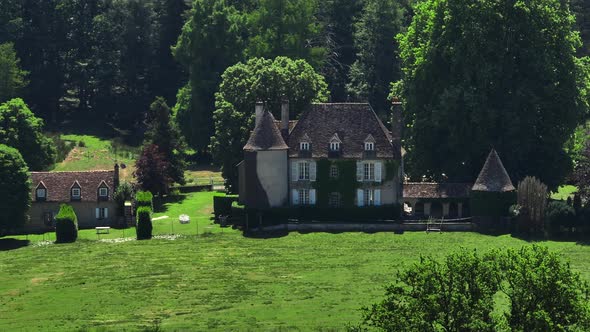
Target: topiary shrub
[
  {"x": 532, "y": 196},
  {"x": 66, "y": 225},
  {"x": 144, "y": 198},
  {"x": 558, "y": 214},
  {"x": 222, "y": 205},
  {"x": 144, "y": 223}
]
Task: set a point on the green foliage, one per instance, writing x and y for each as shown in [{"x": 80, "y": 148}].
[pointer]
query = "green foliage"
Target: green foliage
[
  {"x": 20, "y": 129},
  {"x": 559, "y": 214},
  {"x": 144, "y": 199},
  {"x": 391, "y": 169},
  {"x": 480, "y": 73},
  {"x": 12, "y": 78},
  {"x": 66, "y": 224},
  {"x": 491, "y": 204},
  {"x": 144, "y": 223},
  {"x": 377, "y": 63},
  {"x": 346, "y": 183},
  {"x": 458, "y": 294},
  {"x": 453, "y": 295},
  {"x": 164, "y": 133},
  {"x": 123, "y": 193},
  {"x": 15, "y": 189},
  {"x": 544, "y": 293},
  {"x": 222, "y": 205},
  {"x": 532, "y": 197},
  {"x": 245, "y": 83},
  {"x": 209, "y": 43}
]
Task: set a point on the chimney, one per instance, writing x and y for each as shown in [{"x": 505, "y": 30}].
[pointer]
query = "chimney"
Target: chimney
[
  {"x": 259, "y": 111},
  {"x": 116, "y": 176},
  {"x": 285, "y": 116},
  {"x": 396, "y": 120}
]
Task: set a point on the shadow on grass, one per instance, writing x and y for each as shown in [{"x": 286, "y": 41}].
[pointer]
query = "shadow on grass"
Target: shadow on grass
[
  {"x": 253, "y": 234},
  {"x": 161, "y": 203},
  {"x": 11, "y": 244}
]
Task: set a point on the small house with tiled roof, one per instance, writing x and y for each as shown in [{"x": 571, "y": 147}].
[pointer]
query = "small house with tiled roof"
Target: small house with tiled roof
[
  {"x": 334, "y": 155},
  {"x": 90, "y": 193}
]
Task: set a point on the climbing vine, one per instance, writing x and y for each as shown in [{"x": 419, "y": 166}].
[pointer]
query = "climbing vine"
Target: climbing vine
[{"x": 345, "y": 184}]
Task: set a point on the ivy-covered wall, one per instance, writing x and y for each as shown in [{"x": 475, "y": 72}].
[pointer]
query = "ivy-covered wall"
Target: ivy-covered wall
[{"x": 345, "y": 184}]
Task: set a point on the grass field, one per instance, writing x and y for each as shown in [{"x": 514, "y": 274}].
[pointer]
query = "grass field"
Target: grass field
[{"x": 217, "y": 281}]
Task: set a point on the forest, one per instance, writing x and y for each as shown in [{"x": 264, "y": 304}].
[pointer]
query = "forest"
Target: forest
[{"x": 106, "y": 61}]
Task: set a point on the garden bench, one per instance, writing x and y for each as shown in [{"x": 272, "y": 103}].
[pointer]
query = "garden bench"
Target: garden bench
[{"x": 102, "y": 230}]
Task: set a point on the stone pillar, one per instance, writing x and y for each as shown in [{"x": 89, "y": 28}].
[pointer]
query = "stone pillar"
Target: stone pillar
[
  {"x": 427, "y": 208},
  {"x": 460, "y": 209},
  {"x": 445, "y": 209}
]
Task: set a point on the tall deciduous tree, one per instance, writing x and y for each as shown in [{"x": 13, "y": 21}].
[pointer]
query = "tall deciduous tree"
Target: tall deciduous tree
[
  {"x": 245, "y": 83},
  {"x": 491, "y": 73},
  {"x": 210, "y": 42},
  {"x": 162, "y": 131},
  {"x": 19, "y": 128},
  {"x": 377, "y": 62},
  {"x": 15, "y": 189},
  {"x": 12, "y": 78},
  {"x": 152, "y": 169}
]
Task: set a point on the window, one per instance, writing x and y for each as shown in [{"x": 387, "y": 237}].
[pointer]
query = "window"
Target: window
[
  {"x": 334, "y": 146},
  {"x": 334, "y": 172},
  {"x": 369, "y": 146},
  {"x": 103, "y": 192},
  {"x": 41, "y": 194},
  {"x": 334, "y": 200},
  {"x": 369, "y": 171},
  {"x": 369, "y": 197},
  {"x": 102, "y": 213},
  {"x": 304, "y": 170},
  {"x": 304, "y": 146},
  {"x": 76, "y": 193},
  {"x": 304, "y": 197}
]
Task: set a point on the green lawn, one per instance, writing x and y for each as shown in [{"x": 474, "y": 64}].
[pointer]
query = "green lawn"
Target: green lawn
[
  {"x": 564, "y": 192},
  {"x": 218, "y": 281}
]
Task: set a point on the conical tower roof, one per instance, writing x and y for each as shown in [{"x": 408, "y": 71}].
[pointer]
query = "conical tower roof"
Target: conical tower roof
[
  {"x": 493, "y": 176},
  {"x": 266, "y": 135}
]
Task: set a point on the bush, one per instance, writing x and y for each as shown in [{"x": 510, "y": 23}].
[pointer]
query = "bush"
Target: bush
[
  {"x": 532, "y": 196},
  {"x": 144, "y": 223},
  {"x": 144, "y": 198},
  {"x": 559, "y": 214},
  {"x": 66, "y": 224},
  {"x": 123, "y": 193},
  {"x": 492, "y": 204},
  {"x": 82, "y": 144},
  {"x": 222, "y": 205}
]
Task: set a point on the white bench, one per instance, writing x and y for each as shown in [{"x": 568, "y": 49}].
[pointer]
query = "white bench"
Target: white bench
[{"x": 103, "y": 230}]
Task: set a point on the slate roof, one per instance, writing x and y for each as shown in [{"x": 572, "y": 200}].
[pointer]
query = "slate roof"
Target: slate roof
[
  {"x": 292, "y": 124},
  {"x": 266, "y": 135},
  {"x": 493, "y": 176},
  {"x": 429, "y": 190},
  {"x": 58, "y": 184},
  {"x": 352, "y": 122}
]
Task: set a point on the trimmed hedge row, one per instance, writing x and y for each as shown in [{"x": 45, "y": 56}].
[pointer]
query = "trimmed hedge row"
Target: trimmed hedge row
[
  {"x": 222, "y": 205},
  {"x": 144, "y": 198},
  {"x": 267, "y": 217},
  {"x": 144, "y": 223},
  {"x": 66, "y": 224}
]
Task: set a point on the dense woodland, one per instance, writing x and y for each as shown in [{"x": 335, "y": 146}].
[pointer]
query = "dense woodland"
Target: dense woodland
[{"x": 494, "y": 74}]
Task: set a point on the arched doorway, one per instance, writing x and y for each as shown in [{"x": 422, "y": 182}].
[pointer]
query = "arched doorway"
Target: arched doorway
[
  {"x": 453, "y": 210},
  {"x": 419, "y": 209},
  {"x": 436, "y": 210}
]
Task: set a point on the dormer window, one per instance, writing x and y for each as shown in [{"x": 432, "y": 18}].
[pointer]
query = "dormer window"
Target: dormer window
[
  {"x": 335, "y": 143},
  {"x": 369, "y": 146},
  {"x": 103, "y": 192},
  {"x": 304, "y": 146},
  {"x": 41, "y": 194},
  {"x": 76, "y": 193}
]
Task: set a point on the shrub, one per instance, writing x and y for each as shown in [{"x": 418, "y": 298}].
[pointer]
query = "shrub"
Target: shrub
[
  {"x": 66, "y": 224},
  {"x": 82, "y": 144},
  {"x": 144, "y": 223},
  {"x": 559, "y": 214},
  {"x": 144, "y": 198},
  {"x": 123, "y": 193},
  {"x": 222, "y": 205},
  {"x": 532, "y": 196},
  {"x": 491, "y": 204}
]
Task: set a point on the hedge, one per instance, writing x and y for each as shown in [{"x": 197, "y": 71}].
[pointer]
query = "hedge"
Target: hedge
[
  {"x": 492, "y": 204},
  {"x": 66, "y": 225},
  {"x": 558, "y": 214},
  {"x": 144, "y": 198},
  {"x": 222, "y": 205},
  {"x": 144, "y": 223}
]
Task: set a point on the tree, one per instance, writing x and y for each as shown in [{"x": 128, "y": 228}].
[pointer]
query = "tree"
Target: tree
[
  {"x": 492, "y": 73},
  {"x": 152, "y": 169},
  {"x": 209, "y": 43},
  {"x": 376, "y": 65},
  {"x": 582, "y": 10},
  {"x": 454, "y": 295},
  {"x": 20, "y": 129},
  {"x": 162, "y": 131},
  {"x": 15, "y": 189},
  {"x": 12, "y": 78},
  {"x": 245, "y": 83},
  {"x": 532, "y": 198},
  {"x": 544, "y": 293},
  {"x": 581, "y": 174}
]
